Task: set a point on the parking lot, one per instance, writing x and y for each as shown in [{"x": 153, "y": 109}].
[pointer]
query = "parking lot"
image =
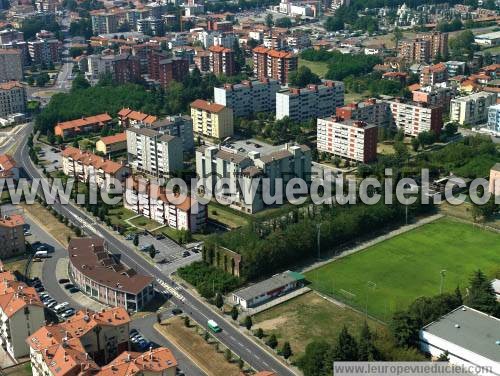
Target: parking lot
[
  {"x": 50, "y": 157},
  {"x": 169, "y": 255}
]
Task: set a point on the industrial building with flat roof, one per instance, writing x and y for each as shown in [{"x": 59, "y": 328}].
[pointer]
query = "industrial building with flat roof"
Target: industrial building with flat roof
[{"x": 470, "y": 337}]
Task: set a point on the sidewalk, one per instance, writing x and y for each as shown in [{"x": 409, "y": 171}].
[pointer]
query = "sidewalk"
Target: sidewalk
[{"x": 372, "y": 242}]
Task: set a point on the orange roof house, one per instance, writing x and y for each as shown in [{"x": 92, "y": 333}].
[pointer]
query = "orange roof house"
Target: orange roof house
[
  {"x": 127, "y": 117},
  {"x": 112, "y": 144},
  {"x": 83, "y": 125},
  {"x": 201, "y": 104}
]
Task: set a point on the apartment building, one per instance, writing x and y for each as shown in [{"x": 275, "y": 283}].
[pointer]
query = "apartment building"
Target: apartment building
[
  {"x": 173, "y": 69},
  {"x": 494, "y": 119},
  {"x": 151, "y": 26},
  {"x": 12, "y": 241},
  {"x": 8, "y": 167},
  {"x": 123, "y": 68},
  {"x": 100, "y": 275},
  {"x": 372, "y": 111},
  {"x": 314, "y": 101},
  {"x": 415, "y": 117},
  {"x": 212, "y": 119},
  {"x": 270, "y": 63},
  {"x": 437, "y": 95},
  {"x": 433, "y": 74},
  {"x": 80, "y": 344},
  {"x": 156, "y": 203},
  {"x": 472, "y": 109},
  {"x": 280, "y": 166},
  {"x": 248, "y": 97},
  {"x": 222, "y": 61},
  {"x": 87, "y": 167},
  {"x": 21, "y": 313},
  {"x": 353, "y": 140},
  {"x": 202, "y": 61},
  {"x": 425, "y": 47},
  {"x": 153, "y": 152},
  {"x": 455, "y": 68},
  {"x": 130, "y": 118},
  {"x": 11, "y": 35},
  {"x": 12, "y": 98},
  {"x": 104, "y": 22},
  {"x": 45, "y": 51},
  {"x": 84, "y": 125},
  {"x": 11, "y": 65},
  {"x": 112, "y": 144}
]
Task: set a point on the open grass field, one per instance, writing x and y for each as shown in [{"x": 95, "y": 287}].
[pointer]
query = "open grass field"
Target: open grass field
[
  {"x": 309, "y": 318},
  {"x": 388, "y": 276},
  {"x": 318, "y": 67},
  {"x": 226, "y": 216}
]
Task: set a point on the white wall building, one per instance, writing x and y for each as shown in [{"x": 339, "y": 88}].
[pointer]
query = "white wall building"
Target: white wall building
[
  {"x": 469, "y": 336},
  {"x": 12, "y": 98},
  {"x": 248, "y": 97},
  {"x": 494, "y": 119},
  {"x": 472, "y": 109},
  {"x": 315, "y": 101}
]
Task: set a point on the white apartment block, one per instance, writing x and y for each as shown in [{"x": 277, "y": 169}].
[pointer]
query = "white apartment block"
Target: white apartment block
[
  {"x": 154, "y": 153},
  {"x": 315, "y": 101},
  {"x": 216, "y": 162},
  {"x": 415, "y": 117},
  {"x": 248, "y": 97},
  {"x": 87, "y": 167},
  {"x": 12, "y": 98},
  {"x": 472, "y": 109},
  {"x": 494, "y": 119},
  {"x": 21, "y": 314},
  {"x": 153, "y": 201},
  {"x": 349, "y": 139}
]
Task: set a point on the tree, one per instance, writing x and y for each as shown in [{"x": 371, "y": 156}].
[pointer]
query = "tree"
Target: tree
[
  {"x": 42, "y": 79},
  {"x": 286, "y": 350},
  {"x": 241, "y": 363},
  {"x": 136, "y": 240},
  {"x": 234, "y": 313},
  {"x": 443, "y": 357},
  {"x": 206, "y": 336},
  {"x": 317, "y": 359},
  {"x": 269, "y": 20},
  {"x": 367, "y": 349},
  {"x": 51, "y": 139},
  {"x": 248, "y": 322},
  {"x": 272, "y": 341},
  {"x": 334, "y": 24},
  {"x": 228, "y": 355},
  {"x": 79, "y": 83},
  {"x": 481, "y": 294},
  {"x": 404, "y": 329},
  {"x": 302, "y": 77},
  {"x": 346, "y": 348},
  {"x": 397, "y": 36},
  {"x": 284, "y": 22},
  {"x": 219, "y": 301},
  {"x": 30, "y": 80},
  {"x": 187, "y": 322},
  {"x": 259, "y": 333},
  {"x": 415, "y": 144}
]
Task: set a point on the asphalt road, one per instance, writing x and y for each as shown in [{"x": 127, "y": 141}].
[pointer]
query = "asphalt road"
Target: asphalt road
[{"x": 240, "y": 345}]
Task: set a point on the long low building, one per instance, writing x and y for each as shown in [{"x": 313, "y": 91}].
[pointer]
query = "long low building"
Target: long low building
[
  {"x": 101, "y": 276},
  {"x": 469, "y": 337},
  {"x": 89, "y": 124},
  {"x": 268, "y": 289}
]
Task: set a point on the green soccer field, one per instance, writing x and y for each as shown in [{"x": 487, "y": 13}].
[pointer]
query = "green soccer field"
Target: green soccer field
[{"x": 390, "y": 275}]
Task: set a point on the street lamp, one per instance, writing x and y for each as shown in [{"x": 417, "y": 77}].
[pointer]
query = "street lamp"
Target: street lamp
[
  {"x": 443, "y": 274},
  {"x": 318, "y": 239},
  {"x": 369, "y": 285}
]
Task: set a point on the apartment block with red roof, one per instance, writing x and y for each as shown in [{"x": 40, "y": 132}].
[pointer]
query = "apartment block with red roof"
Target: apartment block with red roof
[
  {"x": 13, "y": 98},
  {"x": 67, "y": 129},
  {"x": 156, "y": 203},
  {"x": 128, "y": 118},
  {"x": 222, "y": 61},
  {"x": 112, "y": 144},
  {"x": 87, "y": 167},
  {"x": 373, "y": 111},
  {"x": 270, "y": 63},
  {"x": 12, "y": 235},
  {"x": 433, "y": 74},
  {"x": 21, "y": 313},
  {"x": 415, "y": 117},
  {"x": 212, "y": 119}
]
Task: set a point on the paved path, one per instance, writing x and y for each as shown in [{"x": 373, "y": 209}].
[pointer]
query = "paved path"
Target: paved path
[{"x": 372, "y": 242}]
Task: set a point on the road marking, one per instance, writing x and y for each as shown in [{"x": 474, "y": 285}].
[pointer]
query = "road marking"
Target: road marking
[{"x": 170, "y": 289}]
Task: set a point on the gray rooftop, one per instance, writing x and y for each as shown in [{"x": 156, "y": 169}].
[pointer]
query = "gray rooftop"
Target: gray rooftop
[
  {"x": 275, "y": 282},
  {"x": 144, "y": 131},
  {"x": 476, "y": 331}
]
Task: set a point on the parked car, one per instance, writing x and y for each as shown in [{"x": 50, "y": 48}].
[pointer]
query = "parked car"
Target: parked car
[
  {"x": 74, "y": 290},
  {"x": 51, "y": 305},
  {"x": 160, "y": 237},
  {"x": 130, "y": 237},
  {"x": 133, "y": 332},
  {"x": 61, "y": 307},
  {"x": 69, "y": 286},
  {"x": 63, "y": 280},
  {"x": 40, "y": 289},
  {"x": 68, "y": 313},
  {"x": 176, "y": 311},
  {"x": 186, "y": 254}
]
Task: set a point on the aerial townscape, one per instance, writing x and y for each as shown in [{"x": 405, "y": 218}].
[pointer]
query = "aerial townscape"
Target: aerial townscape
[{"x": 249, "y": 187}]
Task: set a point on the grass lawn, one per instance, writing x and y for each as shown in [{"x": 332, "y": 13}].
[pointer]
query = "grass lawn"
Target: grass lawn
[
  {"x": 394, "y": 273},
  {"x": 318, "y": 67},
  {"x": 309, "y": 318},
  {"x": 144, "y": 223},
  {"x": 351, "y": 96},
  {"x": 226, "y": 216},
  {"x": 119, "y": 214}
]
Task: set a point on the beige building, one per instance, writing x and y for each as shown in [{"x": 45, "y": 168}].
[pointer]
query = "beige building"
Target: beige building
[
  {"x": 85, "y": 166},
  {"x": 495, "y": 179},
  {"x": 112, "y": 144},
  {"x": 472, "y": 109},
  {"x": 12, "y": 236},
  {"x": 211, "y": 119},
  {"x": 12, "y": 98},
  {"x": 11, "y": 65},
  {"x": 21, "y": 313}
]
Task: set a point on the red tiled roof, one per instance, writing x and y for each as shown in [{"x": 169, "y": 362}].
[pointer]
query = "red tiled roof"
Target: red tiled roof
[
  {"x": 120, "y": 137},
  {"x": 102, "y": 118},
  {"x": 207, "y": 106}
]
